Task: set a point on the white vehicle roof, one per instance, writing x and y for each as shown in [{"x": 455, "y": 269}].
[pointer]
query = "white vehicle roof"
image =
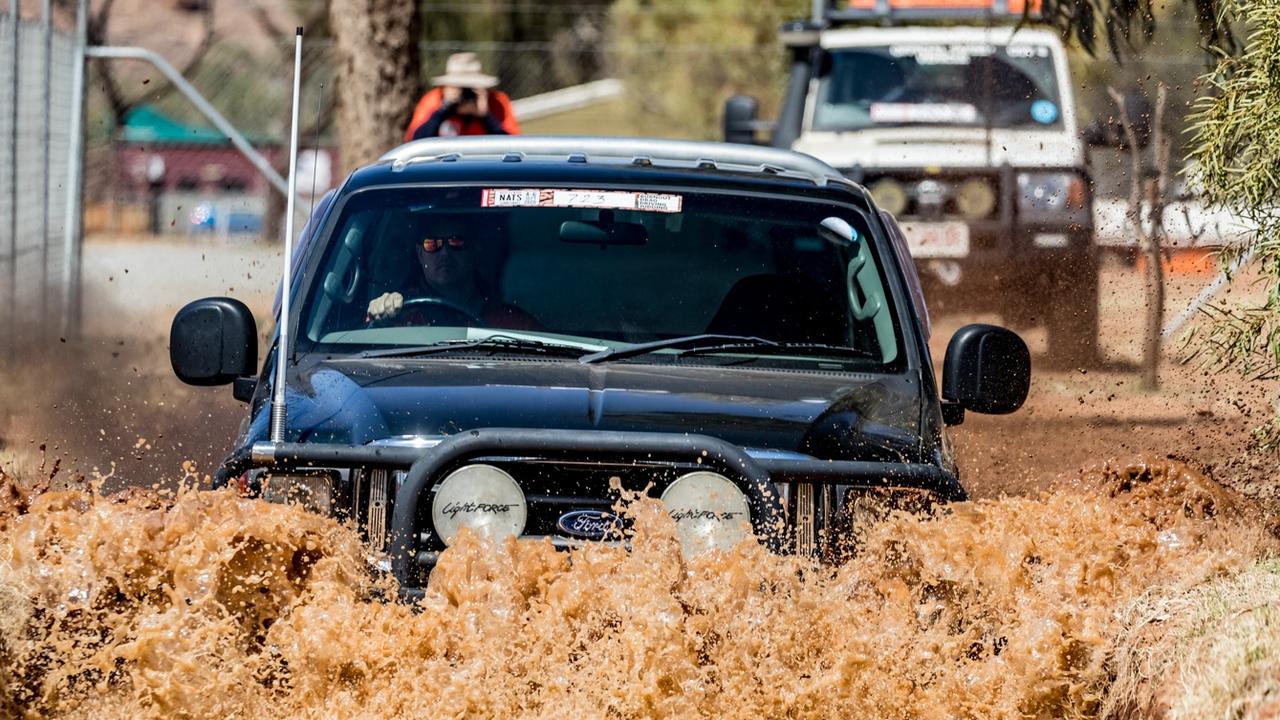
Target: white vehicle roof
[{"x": 951, "y": 35}]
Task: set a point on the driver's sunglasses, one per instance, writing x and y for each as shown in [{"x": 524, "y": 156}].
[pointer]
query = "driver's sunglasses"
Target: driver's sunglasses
[{"x": 437, "y": 244}]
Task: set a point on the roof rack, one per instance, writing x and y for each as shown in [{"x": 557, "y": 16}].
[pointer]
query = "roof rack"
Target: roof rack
[
  {"x": 641, "y": 152},
  {"x": 890, "y": 12}
]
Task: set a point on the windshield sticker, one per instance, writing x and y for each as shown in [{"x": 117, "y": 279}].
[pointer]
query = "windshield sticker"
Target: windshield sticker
[
  {"x": 934, "y": 113},
  {"x": 1044, "y": 112},
  {"x": 942, "y": 54},
  {"x": 593, "y": 199}
]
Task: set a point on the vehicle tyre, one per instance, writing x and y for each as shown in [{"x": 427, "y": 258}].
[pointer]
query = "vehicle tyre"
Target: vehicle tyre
[{"x": 1072, "y": 316}]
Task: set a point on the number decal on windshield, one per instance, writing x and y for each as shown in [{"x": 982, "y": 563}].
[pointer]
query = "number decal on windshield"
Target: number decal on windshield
[{"x": 598, "y": 199}]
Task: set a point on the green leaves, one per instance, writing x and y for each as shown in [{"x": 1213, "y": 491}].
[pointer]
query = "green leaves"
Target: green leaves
[
  {"x": 1235, "y": 160},
  {"x": 1122, "y": 23}
]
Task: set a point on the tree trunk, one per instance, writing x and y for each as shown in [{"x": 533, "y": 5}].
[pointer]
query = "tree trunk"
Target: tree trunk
[
  {"x": 1149, "y": 240},
  {"x": 1154, "y": 280},
  {"x": 378, "y": 75},
  {"x": 1157, "y": 196}
]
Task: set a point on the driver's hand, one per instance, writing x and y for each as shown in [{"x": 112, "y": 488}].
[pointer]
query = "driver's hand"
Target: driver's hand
[{"x": 386, "y": 305}]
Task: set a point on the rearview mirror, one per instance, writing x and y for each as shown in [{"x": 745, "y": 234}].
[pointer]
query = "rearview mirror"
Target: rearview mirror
[
  {"x": 603, "y": 232},
  {"x": 987, "y": 370},
  {"x": 837, "y": 231},
  {"x": 213, "y": 341}
]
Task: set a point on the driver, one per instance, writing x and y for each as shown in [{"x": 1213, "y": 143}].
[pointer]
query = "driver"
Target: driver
[{"x": 455, "y": 272}]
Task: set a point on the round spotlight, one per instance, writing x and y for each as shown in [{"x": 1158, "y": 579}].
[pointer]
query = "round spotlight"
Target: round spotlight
[
  {"x": 889, "y": 195},
  {"x": 975, "y": 198},
  {"x": 711, "y": 513},
  {"x": 481, "y": 497}
]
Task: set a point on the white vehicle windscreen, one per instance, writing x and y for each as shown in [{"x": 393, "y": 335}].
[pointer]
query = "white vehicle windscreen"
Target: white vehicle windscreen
[{"x": 909, "y": 84}]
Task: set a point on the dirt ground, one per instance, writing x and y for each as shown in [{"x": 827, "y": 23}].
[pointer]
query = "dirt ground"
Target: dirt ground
[
  {"x": 109, "y": 401},
  {"x": 1075, "y": 417}
]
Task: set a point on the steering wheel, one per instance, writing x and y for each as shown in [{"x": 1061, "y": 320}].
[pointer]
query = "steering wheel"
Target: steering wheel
[{"x": 438, "y": 310}]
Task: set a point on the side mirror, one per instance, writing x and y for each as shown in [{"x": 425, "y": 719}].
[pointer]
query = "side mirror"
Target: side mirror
[
  {"x": 741, "y": 118},
  {"x": 1111, "y": 133},
  {"x": 987, "y": 370},
  {"x": 213, "y": 341}
]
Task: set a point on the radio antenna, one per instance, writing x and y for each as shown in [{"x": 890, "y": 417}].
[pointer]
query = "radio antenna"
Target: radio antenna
[{"x": 278, "y": 411}]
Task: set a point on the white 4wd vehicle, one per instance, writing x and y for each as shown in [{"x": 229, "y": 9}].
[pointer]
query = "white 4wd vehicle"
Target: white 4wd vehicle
[{"x": 968, "y": 135}]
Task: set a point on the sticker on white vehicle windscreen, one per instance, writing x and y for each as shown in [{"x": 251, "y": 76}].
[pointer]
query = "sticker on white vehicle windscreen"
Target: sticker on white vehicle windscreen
[
  {"x": 939, "y": 113},
  {"x": 1044, "y": 112},
  {"x": 942, "y": 54},
  {"x": 591, "y": 199}
]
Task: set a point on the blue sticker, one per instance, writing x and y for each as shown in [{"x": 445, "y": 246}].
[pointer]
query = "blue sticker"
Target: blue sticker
[{"x": 1044, "y": 112}]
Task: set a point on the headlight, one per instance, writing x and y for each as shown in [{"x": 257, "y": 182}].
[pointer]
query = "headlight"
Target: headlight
[
  {"x": 709, "y": 510},
  {"x": 481, "y": 497},
  {"x": 313, "y": 492},
  {"x": 1051, "y": 192},
  {"x": 975, "y": 198},
  {"x": 889, "y": 195}
]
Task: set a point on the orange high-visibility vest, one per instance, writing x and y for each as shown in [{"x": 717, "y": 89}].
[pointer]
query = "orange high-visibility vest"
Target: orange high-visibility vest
[{"x": 499, "y": 108}]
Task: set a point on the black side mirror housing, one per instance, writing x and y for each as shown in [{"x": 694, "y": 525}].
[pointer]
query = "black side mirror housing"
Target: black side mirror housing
[
  {"x": 213, "y": 341},
  {"x": 987, "y": 370},
  {"x": 1110, "y": 132},
  {"x": 741, "y": 118}
]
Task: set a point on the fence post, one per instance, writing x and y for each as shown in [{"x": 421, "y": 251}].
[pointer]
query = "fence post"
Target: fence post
[
  {"x": 72, "y": 234},
  {"x": 47, "y": 38},
  {"x": 13, "y": 184}
]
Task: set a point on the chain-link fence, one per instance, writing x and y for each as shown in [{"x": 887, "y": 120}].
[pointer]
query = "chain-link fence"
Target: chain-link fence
[{"x": 37, "y": 64}]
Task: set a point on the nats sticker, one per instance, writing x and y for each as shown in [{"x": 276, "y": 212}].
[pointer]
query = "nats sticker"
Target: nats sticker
[
  {"x": 599, "y": 199},
  {"x": 939, "y": 113}
]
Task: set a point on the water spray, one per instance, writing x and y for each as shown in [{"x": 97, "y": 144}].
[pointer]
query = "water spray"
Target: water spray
[{"x": 278, "y": 410}]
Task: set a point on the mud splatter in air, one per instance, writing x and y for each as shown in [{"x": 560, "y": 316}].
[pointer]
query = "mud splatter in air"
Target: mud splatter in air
[{"x": 207, "y": 605}]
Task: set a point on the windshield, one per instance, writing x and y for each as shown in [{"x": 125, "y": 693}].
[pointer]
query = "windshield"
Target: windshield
[
  {"x": 1008, "y": 86},
  {"x": 595, "y": 270}
]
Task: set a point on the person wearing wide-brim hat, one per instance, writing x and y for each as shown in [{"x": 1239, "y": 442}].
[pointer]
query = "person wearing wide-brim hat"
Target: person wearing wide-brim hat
[{"x": 463, "y": 102}]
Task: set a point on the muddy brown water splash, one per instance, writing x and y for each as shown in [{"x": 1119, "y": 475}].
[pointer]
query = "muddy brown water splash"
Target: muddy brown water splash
[{"x": 206, "y": 605}]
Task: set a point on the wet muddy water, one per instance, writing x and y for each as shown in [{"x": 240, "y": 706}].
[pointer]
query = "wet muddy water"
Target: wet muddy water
[{"x": 208, "y": 605}]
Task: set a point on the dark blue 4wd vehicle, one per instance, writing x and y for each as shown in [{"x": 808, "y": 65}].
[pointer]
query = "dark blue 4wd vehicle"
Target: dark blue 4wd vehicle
[{"x": 497, "y": 333}]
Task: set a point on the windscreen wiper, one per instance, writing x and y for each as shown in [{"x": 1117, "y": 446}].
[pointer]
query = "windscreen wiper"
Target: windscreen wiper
[
  {"x": 496, "y": 343},
  {"x": 692, "y": 344},
  {"x": 769, "y": 347}
]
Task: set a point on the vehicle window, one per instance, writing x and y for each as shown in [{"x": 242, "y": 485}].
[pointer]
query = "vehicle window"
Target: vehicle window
[
  {"x": 586, "y": 267},
  {"x": 1013, "y": 86}
]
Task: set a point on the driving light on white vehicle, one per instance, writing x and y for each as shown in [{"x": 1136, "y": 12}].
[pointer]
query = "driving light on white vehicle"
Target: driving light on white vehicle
[
  {"x": 711, "y": 513},
  {"x": 889, "y": 195},
  {"x": 313, "y": 492},
  {"x": 975, "y": 198},
  {"x": 481, "y": 497}
]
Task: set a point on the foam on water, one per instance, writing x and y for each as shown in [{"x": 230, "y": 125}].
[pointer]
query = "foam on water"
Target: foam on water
[{"x": 210, "y": 605}]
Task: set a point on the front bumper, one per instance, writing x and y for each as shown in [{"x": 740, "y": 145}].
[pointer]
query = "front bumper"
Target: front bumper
[
  {"x": 1015, "y": 239},
  {"x": 793, "y": 502}
]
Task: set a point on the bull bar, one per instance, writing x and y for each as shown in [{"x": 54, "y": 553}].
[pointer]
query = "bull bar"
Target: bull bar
[{"x": 755, "y": 476}]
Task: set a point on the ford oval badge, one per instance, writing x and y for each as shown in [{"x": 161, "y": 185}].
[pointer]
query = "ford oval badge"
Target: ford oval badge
[{"x": 589, "y": 524}]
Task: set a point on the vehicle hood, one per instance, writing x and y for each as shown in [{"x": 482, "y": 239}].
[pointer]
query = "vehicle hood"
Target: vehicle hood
[
  {"x": 826, "y": 415},
  {"x": 916, "y": 147}
]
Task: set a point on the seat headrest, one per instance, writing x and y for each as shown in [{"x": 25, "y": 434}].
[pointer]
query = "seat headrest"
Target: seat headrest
[{"x": 780, "y": 308}]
